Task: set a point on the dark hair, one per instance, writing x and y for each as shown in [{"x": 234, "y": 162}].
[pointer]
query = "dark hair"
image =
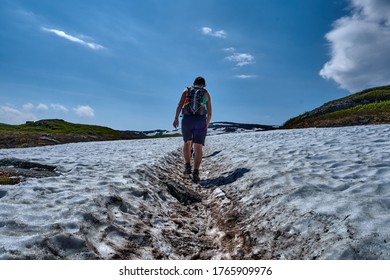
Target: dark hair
[{"x": 200, "y": 81}]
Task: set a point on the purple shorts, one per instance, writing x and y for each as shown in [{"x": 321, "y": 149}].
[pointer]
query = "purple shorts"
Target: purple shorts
[{"x": 193, "y": 127}]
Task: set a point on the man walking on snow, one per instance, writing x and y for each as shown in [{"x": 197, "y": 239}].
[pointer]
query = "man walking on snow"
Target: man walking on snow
[{"x": 195, "y": 104}]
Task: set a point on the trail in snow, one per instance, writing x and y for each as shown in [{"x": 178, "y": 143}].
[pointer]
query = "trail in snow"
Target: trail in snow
[{"x": 208, "y": 229}]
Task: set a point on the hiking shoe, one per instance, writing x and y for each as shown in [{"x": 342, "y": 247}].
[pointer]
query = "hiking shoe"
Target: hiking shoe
[
  {"x": 187, "y": 169},
  {"x": 195, "y": 175}
]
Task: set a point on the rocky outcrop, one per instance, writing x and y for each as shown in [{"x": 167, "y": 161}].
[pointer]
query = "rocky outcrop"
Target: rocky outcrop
[
  {"x": 331, "y": 107},
  {"x": 13, "y": 170}
]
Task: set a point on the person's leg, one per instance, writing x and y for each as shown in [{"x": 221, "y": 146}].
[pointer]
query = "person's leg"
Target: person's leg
[
  {"x": 186, "y": 129},
  {"x": 198, "y": 150},
  {"x": 200, "y": 132},
  {"x": 187, "y": 151}
]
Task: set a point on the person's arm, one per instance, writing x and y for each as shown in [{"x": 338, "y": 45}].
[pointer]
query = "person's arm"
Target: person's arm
[
  {"x": 209, "y": 108},
  {"x": 179, "y": 107}
]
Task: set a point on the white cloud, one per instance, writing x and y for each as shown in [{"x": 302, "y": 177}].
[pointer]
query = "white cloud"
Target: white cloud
[
  {"x": 241, "y": 59},
  {"x": 74, "y": 39},
  {"x": 231, "y": 49},
  {"x": 28, "y": 106},
  {"x": 360, "y": 47},
  {"x": 59, "y": 107},
  {"x": 245, "y": 76},
  {"x": 208, "y": 31},
  {"x": 84, "y": 111},
  {"x": 11, "y": 115},
  {"x": 42, "y": 107},
  {"x": 376, "y": 10}
]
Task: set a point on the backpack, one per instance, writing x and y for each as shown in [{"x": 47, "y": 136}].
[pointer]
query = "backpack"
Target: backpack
[{"x": 195, "y": 101}]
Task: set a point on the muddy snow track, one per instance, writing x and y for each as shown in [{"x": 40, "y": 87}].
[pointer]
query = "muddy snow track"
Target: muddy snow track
[{"x": 201, "y": 221}]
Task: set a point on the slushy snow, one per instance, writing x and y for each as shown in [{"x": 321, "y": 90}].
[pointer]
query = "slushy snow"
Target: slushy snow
[{"x": 283, "y": 194}]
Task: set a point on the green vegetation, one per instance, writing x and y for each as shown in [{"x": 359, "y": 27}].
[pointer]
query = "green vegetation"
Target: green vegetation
[
  {"x": 52, "y": 132},
  {"x": 61, "y": 126},
  {"x": 376, "y": 94},
  {"x": 365, "y": 108},
  {"x": 371, "y": 106},
  {"x": 7, "y": 179}
]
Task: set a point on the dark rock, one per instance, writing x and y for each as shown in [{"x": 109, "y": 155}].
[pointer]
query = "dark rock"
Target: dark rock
[
  {"x": 46, "y": 138},
  {"x": 21, "y": 169},
  {"x": 330, "y": 107},
  {"x": 364, "y": 120},
  {"x": 2, "y": 193},
  {"x": 19, "y": 163},
  {"x": 182, "y": 194}
]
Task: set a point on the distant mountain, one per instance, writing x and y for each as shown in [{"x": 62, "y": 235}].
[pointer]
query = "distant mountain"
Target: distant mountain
[
  {"x": 215, "y": 128},
  {"x": 370, "y": 106},
  {"x": 231, "y": 127},
  {"x": 155, "y": 133}
]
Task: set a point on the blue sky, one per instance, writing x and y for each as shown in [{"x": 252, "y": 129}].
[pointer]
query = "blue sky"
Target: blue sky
[{"x": 124, "y": 64}]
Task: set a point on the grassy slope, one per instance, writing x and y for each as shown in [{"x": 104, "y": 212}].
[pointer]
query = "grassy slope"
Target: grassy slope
[
  {"x": 49, "y": 132},
  {"x": 60, "y": 126},
  {"x": 371, "y": 106}
]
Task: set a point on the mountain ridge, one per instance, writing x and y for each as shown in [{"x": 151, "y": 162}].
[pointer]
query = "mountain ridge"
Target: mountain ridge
[{"x": 56, "y": 131}]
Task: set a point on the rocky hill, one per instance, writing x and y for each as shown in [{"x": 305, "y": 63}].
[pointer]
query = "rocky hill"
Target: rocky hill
[
  {"x": 370, "y": 106},
  {"x": 56, "y": 131}
]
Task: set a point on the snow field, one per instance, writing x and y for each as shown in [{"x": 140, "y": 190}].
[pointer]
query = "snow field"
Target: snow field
[{"x": 284, "y": 194}]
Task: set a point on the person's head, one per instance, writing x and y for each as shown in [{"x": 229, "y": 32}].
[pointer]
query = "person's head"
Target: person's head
[{"x": 200, "y": 81}]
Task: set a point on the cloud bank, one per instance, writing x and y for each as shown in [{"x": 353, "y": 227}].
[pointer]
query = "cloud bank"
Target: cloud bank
[
  {"x": 74, "y": 39},
  {"x": 31, "y": 112},
  {"x": 360, "y": 47}
]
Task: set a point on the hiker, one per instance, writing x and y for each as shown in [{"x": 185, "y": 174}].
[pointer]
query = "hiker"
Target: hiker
[{"x": 195, "y": 105}]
